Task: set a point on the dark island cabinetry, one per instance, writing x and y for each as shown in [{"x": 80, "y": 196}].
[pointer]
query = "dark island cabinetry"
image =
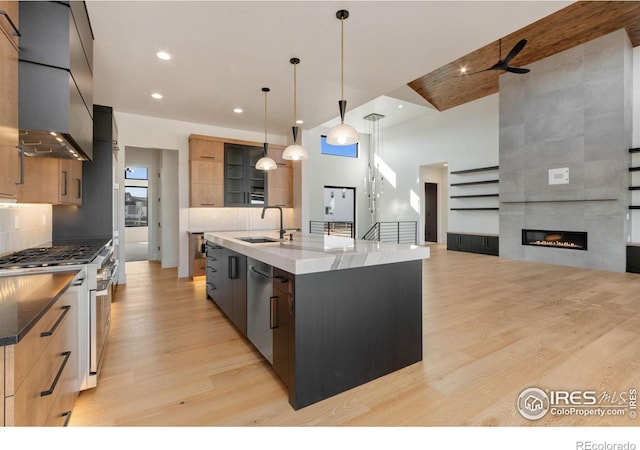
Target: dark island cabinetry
[{"x": 227, "y": 283}]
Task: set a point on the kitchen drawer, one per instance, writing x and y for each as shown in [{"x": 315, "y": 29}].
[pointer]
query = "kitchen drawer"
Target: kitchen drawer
[
  {"x": 28, "y": 406},
  {"x": 202, "y": 149},
  {"x": 21, "y": 358},
  {"x": 63, "y": 406},
  {"x": 199, "y": 267}
]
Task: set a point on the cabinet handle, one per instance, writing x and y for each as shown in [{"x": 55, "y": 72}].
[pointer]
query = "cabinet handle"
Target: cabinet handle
[
  {"x": 207, "y": 157},
  {"x": 265, "y": 276},
  {"x": 79, "y": 196},
  {"x": 207, "y": 204},
  {"x": 233, "y": 267},
  {"x": 49, "y": 391},
  {"x": 67, "y": 416},
  {"x": 16, "y": 32},
  {"x": 281, "y": 279},
  {"x": 21, "y": 148},
  {"x": 64, "y": 184},
  {"x": 273, "y": 312},
  {"x": 65, "y": 311},
  {"x": 292, "y": 306}
]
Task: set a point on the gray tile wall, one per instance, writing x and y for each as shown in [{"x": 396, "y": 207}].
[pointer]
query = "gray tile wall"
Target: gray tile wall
[{"x": 572, "y": 110}]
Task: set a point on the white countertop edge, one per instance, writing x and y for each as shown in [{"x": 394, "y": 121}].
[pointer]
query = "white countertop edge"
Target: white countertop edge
[{"x": 301, "y": 256}]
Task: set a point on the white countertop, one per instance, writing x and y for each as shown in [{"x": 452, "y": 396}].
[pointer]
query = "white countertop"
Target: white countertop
[{"x": 311, "y": 253}]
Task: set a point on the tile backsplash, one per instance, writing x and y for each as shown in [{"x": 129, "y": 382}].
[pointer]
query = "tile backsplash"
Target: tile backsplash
[
  {"x": 231, "y": 219},
  {"x": 24, "y": 226}
]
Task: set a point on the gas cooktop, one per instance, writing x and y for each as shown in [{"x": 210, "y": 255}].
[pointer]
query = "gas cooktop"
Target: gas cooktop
[{"x": 55, "y": 255}]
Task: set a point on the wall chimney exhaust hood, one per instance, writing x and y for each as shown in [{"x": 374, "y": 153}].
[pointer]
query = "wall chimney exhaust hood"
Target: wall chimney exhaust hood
[{"x": 56, "y": 80}]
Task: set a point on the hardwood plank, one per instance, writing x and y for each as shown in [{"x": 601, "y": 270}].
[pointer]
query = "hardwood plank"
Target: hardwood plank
[{"x": 491, "y": 328}]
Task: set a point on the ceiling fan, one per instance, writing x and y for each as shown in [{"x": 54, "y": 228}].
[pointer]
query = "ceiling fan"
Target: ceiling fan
[{"x": 503, "y": 64}]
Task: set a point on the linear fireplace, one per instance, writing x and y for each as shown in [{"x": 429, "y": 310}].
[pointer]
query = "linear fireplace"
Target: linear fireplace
[{"x": 573, "y": 240}]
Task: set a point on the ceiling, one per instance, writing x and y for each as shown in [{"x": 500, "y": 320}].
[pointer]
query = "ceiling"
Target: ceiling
[
  {"x": 574, "y": 25},
  {"x": 225, "y": 52}
]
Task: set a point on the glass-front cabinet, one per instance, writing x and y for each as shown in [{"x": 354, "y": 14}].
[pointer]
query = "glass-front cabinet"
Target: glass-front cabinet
[{"x": 244, "y": 185}]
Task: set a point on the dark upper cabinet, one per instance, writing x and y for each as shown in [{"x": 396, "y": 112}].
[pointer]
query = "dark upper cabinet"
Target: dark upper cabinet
[{"x": 244, "y": 185}]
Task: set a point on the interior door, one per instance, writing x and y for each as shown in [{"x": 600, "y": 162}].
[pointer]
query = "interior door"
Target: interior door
[{"x": 431, "y": 212}]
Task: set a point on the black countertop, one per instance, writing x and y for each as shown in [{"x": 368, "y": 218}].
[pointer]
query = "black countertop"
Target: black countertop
[{"x": 24, "y": 299}]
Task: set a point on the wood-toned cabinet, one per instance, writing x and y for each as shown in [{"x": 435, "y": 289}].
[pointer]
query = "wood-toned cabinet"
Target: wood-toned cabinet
[
  {"x": 41, "y": 385},
  {"x": 206, "y": 172},
  {"x": 280, "y": 181},
  {"x": 9, "y": 155},
  {"x": 52, "y": 180},
  {"x": 220, "y": 177}
]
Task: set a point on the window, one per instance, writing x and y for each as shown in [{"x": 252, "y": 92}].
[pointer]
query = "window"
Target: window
[
  {"x": 136, "y": 173},
  {"x": 136, "y": 206},
  {"x": 350, "y": 151}
]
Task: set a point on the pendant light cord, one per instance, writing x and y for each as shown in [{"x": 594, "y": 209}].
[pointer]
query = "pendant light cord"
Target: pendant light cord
[
  {"x": 342, "y": 58},
  {"x": 265, "y": 117},
  {"x": 294, "y": 95}
]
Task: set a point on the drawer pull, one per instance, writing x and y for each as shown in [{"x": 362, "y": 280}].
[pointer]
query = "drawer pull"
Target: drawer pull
[
  {"x": 49, "y": 391},
  {"x": 13, "y": 25},
  {"x": 273, "y": 312},
  {"x": 67, "y": 416},
  {"x": 65, "y": 311}
]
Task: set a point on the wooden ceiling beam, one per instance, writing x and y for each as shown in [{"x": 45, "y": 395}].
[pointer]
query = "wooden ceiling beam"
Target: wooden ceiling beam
[{"x": 569, "y": 27}]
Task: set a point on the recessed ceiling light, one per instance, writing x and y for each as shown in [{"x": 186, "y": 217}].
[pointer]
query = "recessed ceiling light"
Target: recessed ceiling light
[
  {"x": 299, "y": 122},
  {"x": 445, "y": 165},
  {"x": 163, "y": 56},
  {"x": 400, "y": 106},
  {"x": 463, "y": 70},
  {"x": 156, "y": 96},
  {"x": 237, "y": 110}
]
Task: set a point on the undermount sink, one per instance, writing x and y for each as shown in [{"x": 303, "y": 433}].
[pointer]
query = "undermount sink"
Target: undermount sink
[{"x": 257, "y": 239}]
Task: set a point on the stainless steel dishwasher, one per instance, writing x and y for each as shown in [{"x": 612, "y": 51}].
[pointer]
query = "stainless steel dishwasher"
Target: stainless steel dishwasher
[{"x": 259, "y": 291}]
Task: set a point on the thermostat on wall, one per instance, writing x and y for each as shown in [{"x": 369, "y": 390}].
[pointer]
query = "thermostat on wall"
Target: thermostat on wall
[{"x": 559, "y": 176}]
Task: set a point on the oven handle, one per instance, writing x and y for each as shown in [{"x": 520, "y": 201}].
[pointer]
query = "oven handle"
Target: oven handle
[{"x": 93, "y": 337}]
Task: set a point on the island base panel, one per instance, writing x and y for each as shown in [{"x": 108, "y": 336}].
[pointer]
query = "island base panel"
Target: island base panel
[{"x": 353, "y": 326}]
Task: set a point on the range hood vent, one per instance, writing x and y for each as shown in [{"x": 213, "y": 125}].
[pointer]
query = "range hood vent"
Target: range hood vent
[
  {"x": 56, "y": 80},
  {"x": 50, "y": 145}
]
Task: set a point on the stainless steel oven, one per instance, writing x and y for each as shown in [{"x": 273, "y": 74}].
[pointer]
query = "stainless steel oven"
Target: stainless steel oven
[{"x": 100, "y": 312}]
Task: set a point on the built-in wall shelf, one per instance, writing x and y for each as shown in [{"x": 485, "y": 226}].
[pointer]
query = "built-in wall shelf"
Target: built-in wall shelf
[
  {"x": 475, "y": 209},
  {"x": 634, "y": 188},
  {"x": 631, "y": 150},
  {"x": 634, "y": 207},
  {"x": 475, "y": 196},
  {"x": 634, "y": 169},
  {"x": 479, "y": 169},
  {"x": 471, "y": 183}
]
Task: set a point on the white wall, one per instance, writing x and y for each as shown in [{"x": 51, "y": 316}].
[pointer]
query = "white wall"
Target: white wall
[
  {"x": 325, "y": 170},
  {"x": 465, "y": 137},
  {"x": 150, "y": 132}
]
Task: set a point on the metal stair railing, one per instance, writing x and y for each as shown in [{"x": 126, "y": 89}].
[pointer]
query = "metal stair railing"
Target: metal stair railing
[{"x": 401, "y": 232}]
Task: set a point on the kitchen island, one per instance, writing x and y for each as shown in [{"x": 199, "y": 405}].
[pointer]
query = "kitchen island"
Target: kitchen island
[{"x": 342, "y": 311}]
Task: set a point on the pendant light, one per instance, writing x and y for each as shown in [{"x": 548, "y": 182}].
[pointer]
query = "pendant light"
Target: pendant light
[
  {"x": 294, "y": 151},
  {"x": 342, "y": 134},
  {"x": 265, "y": 163}
]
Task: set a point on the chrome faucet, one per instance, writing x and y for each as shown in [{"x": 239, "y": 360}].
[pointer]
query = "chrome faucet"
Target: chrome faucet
[{"x": 281, "y": 227}]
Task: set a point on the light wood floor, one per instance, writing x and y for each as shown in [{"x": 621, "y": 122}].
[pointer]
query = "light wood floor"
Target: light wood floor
[{"x": 492, "y": 327}]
